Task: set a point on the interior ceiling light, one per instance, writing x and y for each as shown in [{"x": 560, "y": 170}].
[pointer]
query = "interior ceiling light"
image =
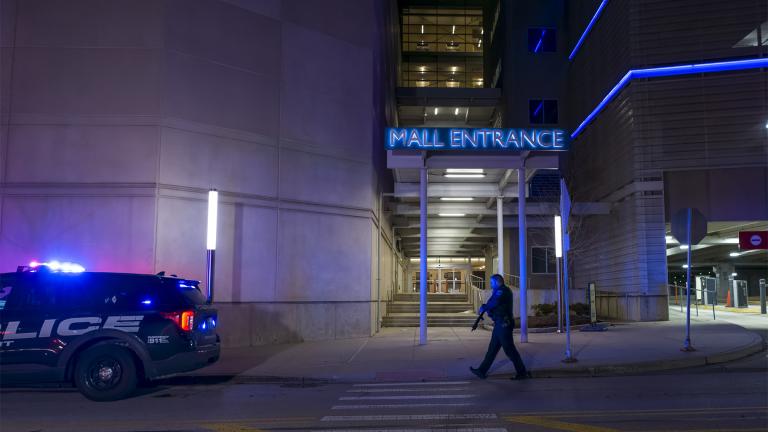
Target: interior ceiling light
[
  {"x": 456, "y": 199},
  {"x": 453, "y": 30},
  {"x": 734, "y": 254},
  {"x": 422, "y": 29},
  {"x": 451, "y": 214},
  {"x": 464, "y": 175},
  {"x": 435, "y": 110},
  {"x": 464, "y": 170},
  {"x": 456, "y": 111}
]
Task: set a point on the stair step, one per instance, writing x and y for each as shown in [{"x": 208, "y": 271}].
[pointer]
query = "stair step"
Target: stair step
[
  {"x": 414, "y": 307},
  {"x": 460, "y": 298}
]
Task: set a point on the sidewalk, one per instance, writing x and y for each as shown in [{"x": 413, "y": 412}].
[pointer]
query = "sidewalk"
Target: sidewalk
[{"x": 394, "y": 353}]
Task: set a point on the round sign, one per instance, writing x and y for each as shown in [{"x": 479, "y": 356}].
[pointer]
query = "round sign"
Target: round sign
[{"x": 755, "y": 240}]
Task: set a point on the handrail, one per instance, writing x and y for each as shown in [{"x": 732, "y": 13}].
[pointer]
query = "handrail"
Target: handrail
[{"x": 512, "y": 280}]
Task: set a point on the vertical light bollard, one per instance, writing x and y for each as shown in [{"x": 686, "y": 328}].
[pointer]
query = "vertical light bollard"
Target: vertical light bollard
[
  {"x": 213, "y": 210},
  {"x": 558, "y": 255}
]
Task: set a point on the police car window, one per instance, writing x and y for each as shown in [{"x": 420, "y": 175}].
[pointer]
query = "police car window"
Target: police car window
[
  {"x": 192, "y": 293},
  {"x": 62, "y": 292},
  {"x": 6, "y": 288}
]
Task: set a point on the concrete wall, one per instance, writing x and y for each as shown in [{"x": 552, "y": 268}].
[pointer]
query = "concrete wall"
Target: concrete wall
[
  {"x": 527, "y": 75},
  {"x": 656, "y": 129},
  {"x": 117, "y": 116}
]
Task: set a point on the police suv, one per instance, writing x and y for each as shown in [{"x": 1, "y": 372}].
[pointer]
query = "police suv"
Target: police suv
[{"x": 105, "y": 332}]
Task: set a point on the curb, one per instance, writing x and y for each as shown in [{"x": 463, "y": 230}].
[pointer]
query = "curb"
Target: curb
[{"x": 756, "y": 346}]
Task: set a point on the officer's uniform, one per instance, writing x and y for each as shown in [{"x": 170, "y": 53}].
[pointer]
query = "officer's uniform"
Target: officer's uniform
[{"x": 499, "y": 307}]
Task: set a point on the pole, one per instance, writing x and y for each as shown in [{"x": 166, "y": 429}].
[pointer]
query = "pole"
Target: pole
[
  {"x": 378, "y": 267},
  {"x": 567, "y": 307},
  {"x": 522, "y": 240},
  {"x": 687, "y": 345},
  {"x": 423, "y": 256},
  {"x": 209, "y": 274},
  {"x": 762, "y": 297},
  {"x": 500, "y": 232},
  {"x": 565, "y": 212}
]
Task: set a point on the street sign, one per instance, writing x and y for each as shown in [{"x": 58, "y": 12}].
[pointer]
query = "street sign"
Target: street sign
[
  {"x": 680, "y": 226},
  {"x": 750, "y": 240}
]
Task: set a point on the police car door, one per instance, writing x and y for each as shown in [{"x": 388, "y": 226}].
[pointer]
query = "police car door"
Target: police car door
[{"x": 23, "y": 318}]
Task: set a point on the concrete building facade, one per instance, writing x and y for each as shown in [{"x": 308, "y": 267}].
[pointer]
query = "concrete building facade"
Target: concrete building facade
[{"x": 118, "y": 116}]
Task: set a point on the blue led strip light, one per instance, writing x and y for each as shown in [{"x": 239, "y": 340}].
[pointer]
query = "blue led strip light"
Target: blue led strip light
[
  {"x": 586, "y": 30},
  {"x": 668, "y": 71},
  {"x": 541, "y": 39}
]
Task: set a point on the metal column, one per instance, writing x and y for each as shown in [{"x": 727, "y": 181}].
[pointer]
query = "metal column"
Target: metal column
[
  {"x": 500, "y": 232},
  {"x": 423, "y": 256},
  {"x": 523, "y": 254}
]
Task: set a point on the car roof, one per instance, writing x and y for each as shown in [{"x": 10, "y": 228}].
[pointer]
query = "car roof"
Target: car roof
[{"x": 115, "y": 275}]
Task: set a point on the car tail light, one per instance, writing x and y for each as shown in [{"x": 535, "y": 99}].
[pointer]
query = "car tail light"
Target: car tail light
[{"x": 185, "y": 319}]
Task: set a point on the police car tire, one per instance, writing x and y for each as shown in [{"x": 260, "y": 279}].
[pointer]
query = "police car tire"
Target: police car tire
[{"x": 108, "y": 352}]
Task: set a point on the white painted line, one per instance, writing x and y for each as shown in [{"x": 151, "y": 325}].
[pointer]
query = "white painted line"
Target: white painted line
[
  {"x": 397, "y": 390},
  {"x": 395, "y": 406},
  {"x": 405, "y": 417},
  {"x": 419, "y": 430},
  {"x": 358, "y": 350},
  {"x": 420, "y": 383},
  {"x": 411, "y": 397}
]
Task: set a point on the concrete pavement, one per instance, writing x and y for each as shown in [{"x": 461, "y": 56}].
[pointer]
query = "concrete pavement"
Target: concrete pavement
[{"x": 394, "y": 354}]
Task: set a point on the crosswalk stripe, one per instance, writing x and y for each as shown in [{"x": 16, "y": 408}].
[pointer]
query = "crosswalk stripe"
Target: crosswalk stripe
[
  {"x": 406, "y": 390},
  {"x": 420, "y": 383},
  {"x": 406, "y": 417},
  {"x": 409, "y": 397},
  {"x": 395, "y": 406}
]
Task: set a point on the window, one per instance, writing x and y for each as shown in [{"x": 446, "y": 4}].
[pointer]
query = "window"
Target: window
[
  {"x": 542, "y": 40},
  {"x": 36, "y": 292},
  {"x": 542, "y": 111},
  {"x": 6, "y": 288},
  {"x": 543, "y": 260}
]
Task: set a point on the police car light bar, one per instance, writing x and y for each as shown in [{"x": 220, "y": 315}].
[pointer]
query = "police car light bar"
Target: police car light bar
[{"x": 56, "y": 266}]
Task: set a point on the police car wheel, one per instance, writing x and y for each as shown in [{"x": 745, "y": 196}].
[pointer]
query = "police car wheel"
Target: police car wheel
[{"x": 106, "y": 372}]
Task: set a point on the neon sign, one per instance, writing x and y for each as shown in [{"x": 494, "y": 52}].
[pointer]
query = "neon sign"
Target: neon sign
[{"x": 476, "y": 139}]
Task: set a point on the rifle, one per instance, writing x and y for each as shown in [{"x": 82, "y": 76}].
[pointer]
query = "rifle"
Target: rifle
[{"x": 477, "y": 321}]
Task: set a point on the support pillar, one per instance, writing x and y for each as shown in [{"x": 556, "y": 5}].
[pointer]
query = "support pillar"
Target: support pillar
[
  {"x": 500, "y": 232},
  {"x": 423, "y": 256},
  {"x": 523, "y": 244}
]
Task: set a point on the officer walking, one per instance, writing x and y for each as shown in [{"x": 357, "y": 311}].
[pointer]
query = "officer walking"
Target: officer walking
[{"x": 499, "y": 307}]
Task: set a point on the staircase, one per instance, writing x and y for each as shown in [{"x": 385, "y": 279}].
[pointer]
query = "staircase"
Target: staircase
[{"x": 443, "y": 310}]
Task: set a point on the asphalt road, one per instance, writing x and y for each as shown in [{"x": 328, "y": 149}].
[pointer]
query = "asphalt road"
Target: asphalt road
[{"x": 730, "y": 397}]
